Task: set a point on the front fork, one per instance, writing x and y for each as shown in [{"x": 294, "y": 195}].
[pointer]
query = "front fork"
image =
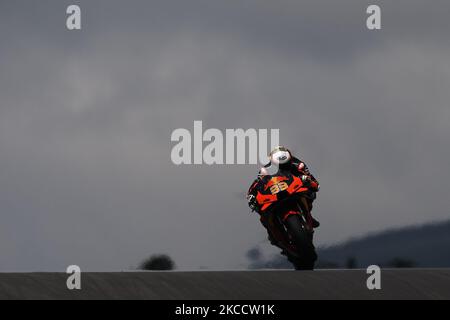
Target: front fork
[
  {"x": 304, "y": 207},
  {"x": 274, "y": 225}
]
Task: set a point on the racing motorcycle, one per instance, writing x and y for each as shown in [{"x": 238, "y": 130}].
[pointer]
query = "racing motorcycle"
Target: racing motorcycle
[{"x": 283, "y": 204}]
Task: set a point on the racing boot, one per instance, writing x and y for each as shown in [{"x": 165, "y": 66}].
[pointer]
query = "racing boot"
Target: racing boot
[{"x": 315, "y": 223}]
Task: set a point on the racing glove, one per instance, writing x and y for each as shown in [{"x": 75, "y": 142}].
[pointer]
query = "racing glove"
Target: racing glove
[{"x": 251, "y": 199}]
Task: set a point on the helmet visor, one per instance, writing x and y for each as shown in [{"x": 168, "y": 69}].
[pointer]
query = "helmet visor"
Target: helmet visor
[{"x": 277, "y": 149}]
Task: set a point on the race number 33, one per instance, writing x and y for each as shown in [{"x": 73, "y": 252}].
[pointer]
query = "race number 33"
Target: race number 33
[{"x": 280, "y": 186}]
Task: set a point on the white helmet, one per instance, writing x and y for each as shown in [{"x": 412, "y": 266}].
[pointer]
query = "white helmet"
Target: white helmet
[{"x": 280, "y": 155}]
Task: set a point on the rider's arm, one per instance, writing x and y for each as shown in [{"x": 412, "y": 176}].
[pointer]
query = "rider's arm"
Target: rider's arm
[
  {"x": 252, "y": 189},
  {"x": 255, "y": 186},
  {"x": 303, "y": 169},
  {"x": 251, "y": 194}
]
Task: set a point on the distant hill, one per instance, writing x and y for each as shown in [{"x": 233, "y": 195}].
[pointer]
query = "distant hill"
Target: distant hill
[{"x": 420, "y": 246}]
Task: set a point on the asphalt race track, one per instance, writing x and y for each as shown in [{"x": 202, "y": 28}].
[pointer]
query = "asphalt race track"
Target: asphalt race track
[{"x": 231, "y": 285}]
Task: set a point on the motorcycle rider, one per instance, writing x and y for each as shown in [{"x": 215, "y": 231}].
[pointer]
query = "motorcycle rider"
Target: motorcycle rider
[{"x": 282, "y": 159}]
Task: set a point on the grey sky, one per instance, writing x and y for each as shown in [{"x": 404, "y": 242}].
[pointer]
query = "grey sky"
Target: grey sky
[{"x": 86, "y": 118}]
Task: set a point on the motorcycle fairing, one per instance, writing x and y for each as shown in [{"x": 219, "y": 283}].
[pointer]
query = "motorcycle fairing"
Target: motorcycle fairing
[{"x": 268, "y": 195}]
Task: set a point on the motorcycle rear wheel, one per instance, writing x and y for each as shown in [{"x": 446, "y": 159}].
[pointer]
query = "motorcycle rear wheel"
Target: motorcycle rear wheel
[{"x": 302, "y": 239}]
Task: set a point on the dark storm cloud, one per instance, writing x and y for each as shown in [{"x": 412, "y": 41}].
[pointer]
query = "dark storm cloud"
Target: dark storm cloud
[{"x": 86, "y": 118}]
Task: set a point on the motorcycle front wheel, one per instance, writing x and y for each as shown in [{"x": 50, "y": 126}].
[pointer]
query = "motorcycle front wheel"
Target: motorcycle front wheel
[{"x": 302, "y": 239}]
